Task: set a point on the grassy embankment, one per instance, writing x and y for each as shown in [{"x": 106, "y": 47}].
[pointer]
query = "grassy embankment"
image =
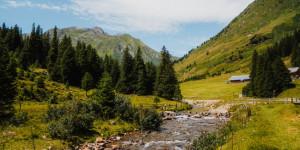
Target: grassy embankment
[
  {"x": 273, "y": 126},
  {"x": 21, "y": 136}
]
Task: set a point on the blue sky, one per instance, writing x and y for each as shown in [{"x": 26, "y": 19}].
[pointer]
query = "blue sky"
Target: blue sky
[{"x": 180, "y": 25}]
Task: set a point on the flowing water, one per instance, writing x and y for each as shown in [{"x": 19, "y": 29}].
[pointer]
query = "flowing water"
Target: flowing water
[{"x": 177, "y": 133}]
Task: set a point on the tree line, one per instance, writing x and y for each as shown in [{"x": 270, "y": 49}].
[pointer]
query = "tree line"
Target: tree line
[
  {"x": 269, "y": 76},
  {"x": 80, "y": 66}
]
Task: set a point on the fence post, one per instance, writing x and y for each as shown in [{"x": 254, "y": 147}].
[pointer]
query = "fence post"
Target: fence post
[
  {"x": 286, "y": 101},
  {"x": 269, "y": 100},
  {"x": 253, "y": 101}
]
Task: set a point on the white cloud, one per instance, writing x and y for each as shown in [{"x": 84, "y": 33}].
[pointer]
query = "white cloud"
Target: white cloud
[
  {"x": 16, "y": 4},
  {"x": 151, "y": 16}
]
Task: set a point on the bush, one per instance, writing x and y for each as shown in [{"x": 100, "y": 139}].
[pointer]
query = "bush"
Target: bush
[
  {"x": 32, "y": 76},
  {"x": 19, "y": 119},
  {"x": 40, "y": 82},
  {"x": 53, "y": 99},
  {"x": 71, "y": 119},
  {"x": 69, "y": 96},
  {"x": 150, "y": 119}
]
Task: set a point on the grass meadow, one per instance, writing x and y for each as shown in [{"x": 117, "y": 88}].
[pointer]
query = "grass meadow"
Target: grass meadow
[{"x": 272, "y": 126}]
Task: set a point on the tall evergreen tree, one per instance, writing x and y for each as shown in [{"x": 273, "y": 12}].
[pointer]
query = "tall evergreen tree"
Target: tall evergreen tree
[
  {"x": 87, "y": 82},
  {"x": 140, "y": 84},
  {"x": 105, "y": 96},
  {"x": 125, "y": 84},
  {"x": 46, "y": 48},
  {"x": 166, "y": 81},
  {"x": 253, "y": 72},
  {"x": 282, "y": 77},
  {"x": 53, "y": 53},
  {"x": 7, "y": 86},
  {"x": 151, "y": 77},
  {"x": 94, "y": 63},
  {"x": 115, "y": 72},
  {"x": 68, "y": 66}
]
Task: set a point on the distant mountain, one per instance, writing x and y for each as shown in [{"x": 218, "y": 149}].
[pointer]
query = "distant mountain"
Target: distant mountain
[
  {"x": 260, "y": 25},
  {"x": 113, "y": 45}
]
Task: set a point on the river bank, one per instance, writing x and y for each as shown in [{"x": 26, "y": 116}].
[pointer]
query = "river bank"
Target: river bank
[{"x": 178, "y": 131}]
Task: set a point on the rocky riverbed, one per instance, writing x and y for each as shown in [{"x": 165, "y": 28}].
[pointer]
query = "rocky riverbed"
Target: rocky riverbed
[{"x": 178, "y": 132}]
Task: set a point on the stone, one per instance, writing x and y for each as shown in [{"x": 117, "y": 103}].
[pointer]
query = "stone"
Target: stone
[
  {"x": 197, "y": 116},
  {"x": 112, "y": 123},
  {"x": 44, "y": 137},
  {"x": 118, "y": 138},
  {"x": 99, "y": 140},
  {"x": 115, "y": 147}
]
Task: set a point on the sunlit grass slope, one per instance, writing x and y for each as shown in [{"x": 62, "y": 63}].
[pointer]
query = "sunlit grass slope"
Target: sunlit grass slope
[
  {"x": 230, "y": 50},
  {"x": 294, "y": 92},
  {"x": 212, "y": 88},
  {"x": 273, "y": 126}
]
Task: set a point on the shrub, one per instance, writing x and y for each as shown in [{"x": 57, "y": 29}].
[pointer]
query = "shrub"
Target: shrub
[
  {"x": 71, "y": 119},
  {"x": 19, "y": 119},
  {"x": 32, "y": 76},
  {"x": 150, "y": 119},
  {"x": 53, "y": 99},
  {"x": 40, "y": 82}
]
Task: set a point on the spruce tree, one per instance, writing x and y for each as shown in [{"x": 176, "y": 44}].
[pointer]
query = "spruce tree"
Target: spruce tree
[
  {"x": 282, "y": 77},
  {"x": 253, "y": 73},
  {"x": 105, "y": 96},
  {"x": 7, "y": 85},
  {"x": 151, "y": 77},
  {"x": 52, "y": 54},
  {"x": 125, "y": 84},
  {"x": 94, "y": 63},
  {"x": 87, "y": 82},
  {"x": 115, "y": 72},
  {"x": 68, "y": 66},
  {"x": 140, "y": 82},
  {"x": 166, "y": 81}
]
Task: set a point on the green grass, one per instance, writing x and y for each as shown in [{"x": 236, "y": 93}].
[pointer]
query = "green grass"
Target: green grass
[
  {"x": 211, "y": 88},
  {"x": 294, "y": 92},
  {"x": 273, "y": 126},
  {"x": 22, "y": 139},
  {"x": 147, "y": 101},
  {"x": 261, "y": 17}
]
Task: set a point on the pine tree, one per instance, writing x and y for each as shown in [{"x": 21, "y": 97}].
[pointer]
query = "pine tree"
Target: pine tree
[
  {"x": 166, "y": 80},
  {"x": 107, "y": 63},
  {"x": 105, "y": 96},
  {"x": 87, "y": 82},
  {"x": 46, "y": 48},
  {"x": 253, "y": 73},
  {"x": 151, "y": 77},
  {"x": 94, "y": 63},
  {"x": 115, "y": 72},
  {"x": 53, "y": 53},
  {"x": 140, "y": 82},
  {"x": 125, "y": 84},
  {"x": 7, "y": 86},
  {"x": 282, "y": 77},
  {"x": 68, "y": 66}
]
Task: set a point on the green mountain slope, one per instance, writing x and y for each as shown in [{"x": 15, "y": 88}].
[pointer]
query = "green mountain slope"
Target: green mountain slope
[
  {"x": 113, "y": 45},
  {"x": 260, "y": 25}
]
